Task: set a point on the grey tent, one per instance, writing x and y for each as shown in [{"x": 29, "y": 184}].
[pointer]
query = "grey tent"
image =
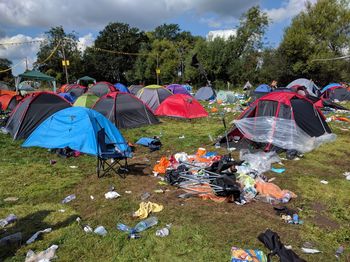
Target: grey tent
[
  {"x": 102, "y": 88},
  {"x": 153, "y": 95},
  {"x": 134, "y": 89},
  {"x": 86, "y": 79},
  {"x": 205, "y": 93},
  {"x": 226, "y": 96},
  {"x": 125, "y": 110},
  {"x": 310, "y": 86}
]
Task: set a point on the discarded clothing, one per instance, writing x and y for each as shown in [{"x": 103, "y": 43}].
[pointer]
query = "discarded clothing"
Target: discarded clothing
[
  {"x": 272, "y": 190},
  {"x": 152, "y": 143},
  {"x": 247, "y": 255},
  {"x": 146, "y": 208},
  {"x": 35, "y": 236},
  {"x": 46, "y": 255},
  {"x": 161, "y": 167}
]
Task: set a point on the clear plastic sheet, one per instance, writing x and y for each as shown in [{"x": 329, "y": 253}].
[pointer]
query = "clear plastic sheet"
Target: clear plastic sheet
[
  {"x": 260, "y": 161},
  {"x": 280, "y": 132}
]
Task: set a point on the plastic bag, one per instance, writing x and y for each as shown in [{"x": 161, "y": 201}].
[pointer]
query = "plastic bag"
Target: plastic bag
[
  {"x": 260, "y": 161},
  {"x": 162, "y": 165},
  {"x": 280, "y": 132}
]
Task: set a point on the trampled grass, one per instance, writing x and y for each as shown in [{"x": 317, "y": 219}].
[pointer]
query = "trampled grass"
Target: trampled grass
[{"x": 201, "y": 231}]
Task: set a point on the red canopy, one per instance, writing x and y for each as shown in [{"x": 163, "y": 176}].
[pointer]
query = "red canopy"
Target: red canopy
[{"x": 183, "y": 106}]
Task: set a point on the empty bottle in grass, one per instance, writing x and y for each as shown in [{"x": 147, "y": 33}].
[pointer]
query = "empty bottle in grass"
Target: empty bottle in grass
[{"x": 145, "y": 224}]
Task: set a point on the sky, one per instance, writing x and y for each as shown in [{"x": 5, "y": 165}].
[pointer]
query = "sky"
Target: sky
[{"x": 22, "y": 21}]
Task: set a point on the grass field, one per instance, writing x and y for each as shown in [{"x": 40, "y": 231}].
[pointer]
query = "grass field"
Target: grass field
[{"x": 202, "y": 230}]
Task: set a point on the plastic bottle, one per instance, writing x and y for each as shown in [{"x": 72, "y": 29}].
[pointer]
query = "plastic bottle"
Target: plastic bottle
[
  {"x": 144, "y": 224},
  {"x": 68, "y": 199},
  {"x": 123, "y": 227},
  {"x": 286, "y": 198},
  {"x": 100, "y": 230},
  {"x": 163, "y": 232}
]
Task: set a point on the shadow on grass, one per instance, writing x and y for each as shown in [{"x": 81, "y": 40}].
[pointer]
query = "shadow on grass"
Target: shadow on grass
[{"x": 28, "y": 225}]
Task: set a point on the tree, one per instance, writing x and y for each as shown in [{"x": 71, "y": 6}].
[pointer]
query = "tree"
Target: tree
[
  {"x": 322, "y": 31},
  {"x": 4, "y": 65},
  {"x": 113, "y": 46},
  {"x": 67, "y": 43},
  {"x": 169, "y": 32}
]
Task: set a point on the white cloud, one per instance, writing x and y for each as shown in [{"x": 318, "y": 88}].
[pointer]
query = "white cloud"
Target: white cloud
[
  {"x": 18, "y": 53},
  {"x": 288, "y": 10},
  {"x": 92, "y": 14},
  {"x": 85, "y": 41},
  {"x": 225, "y": 34}
]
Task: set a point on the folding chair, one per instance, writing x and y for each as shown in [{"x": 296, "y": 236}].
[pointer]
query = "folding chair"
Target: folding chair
[{"x": 106, "y": 152}]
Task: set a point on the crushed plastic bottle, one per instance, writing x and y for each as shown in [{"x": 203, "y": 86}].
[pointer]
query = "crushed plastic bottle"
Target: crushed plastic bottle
[
  {"x": 164, "y": 231},
  {"x": 100, "y": 230},
  {"x": 145, "y": 224},
  {"x": 68, "y": 199}
]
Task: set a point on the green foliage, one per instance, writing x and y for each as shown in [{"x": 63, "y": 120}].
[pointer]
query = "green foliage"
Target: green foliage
[
  {"x": 5, "y": 64},
  {"x": 68, "y": 44},
  {"x": 322, "y": 31}
]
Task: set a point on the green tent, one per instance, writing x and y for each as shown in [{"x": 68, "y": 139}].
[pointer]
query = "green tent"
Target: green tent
[
  {"x": 86, "y": 100},
  {"x": 35, "y": 75}
]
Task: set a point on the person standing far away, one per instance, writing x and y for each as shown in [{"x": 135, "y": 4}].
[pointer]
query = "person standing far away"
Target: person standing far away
[{"x": 273, "y": 84}]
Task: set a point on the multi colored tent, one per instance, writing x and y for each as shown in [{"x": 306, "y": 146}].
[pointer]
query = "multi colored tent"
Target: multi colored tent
[
  {"x": 125, "y": 110},
  {"x": 336, "y": 93},
  {"x": 182, "y": 106},
  {"x": 75, "y": 89},
  {"x": 282, "y": 119},
  {"x": 177, "y": 89},
  {"x": 86, "y": 100},
  {"x": 76, "y": 128},
  {"x": 121, "y": 88},
  {"x": 9, "y": 101},
  {"x": 311, "y": 87},
  {"x": 102, "y": 88},
  {"x": 205, "y": 93},
  {"x": 32, "y": 111},
  {"x": 153, "y": 95},
  {"x": 135, "y": 88}
]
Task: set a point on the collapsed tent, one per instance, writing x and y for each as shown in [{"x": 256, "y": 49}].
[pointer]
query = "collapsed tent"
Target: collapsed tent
[
  {"x": 9, "y": 101},
  {"x": 134, "y": 89},
  {"x": 183, "y": 106},
  {"x": 76, "y": 90},
  {"x": 177, "y": 89},
  {"x": 336, "y": 93},
  {"x": 153, "y": 95},
  {"x": 310, "y": 86},
  {"x": 102, "y": 88},
  {"x": 205, "y": 93},
  {"x": 76, "y": 128},
  {"x": 86, "y": 100},
  {"x": 226, "y": 96},
  {"x": 125, "y": 110},
  {"x": 121, "y": 88},
  {"x": 32, "y": 111},
  {"x": 282, "y": 119}
]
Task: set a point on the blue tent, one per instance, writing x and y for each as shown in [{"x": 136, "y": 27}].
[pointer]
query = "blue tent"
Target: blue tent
[
  {"x": 76, "y": 127},
  {"x": 68, "y": 96},
  {"x": 121, "y": 87},
  {"x": 330, "y": 86},
  {"x": 263, "y": 88}
]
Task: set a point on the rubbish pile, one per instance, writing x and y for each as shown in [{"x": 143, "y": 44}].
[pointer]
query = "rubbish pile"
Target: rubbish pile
[{"x": 221, "y": 178}]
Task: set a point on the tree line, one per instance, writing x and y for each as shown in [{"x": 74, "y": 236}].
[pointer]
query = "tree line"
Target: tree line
[{"x": 126, "y": 54}]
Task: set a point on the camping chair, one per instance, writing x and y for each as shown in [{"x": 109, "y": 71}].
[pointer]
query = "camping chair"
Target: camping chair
[{"x": 106, "y": 152}]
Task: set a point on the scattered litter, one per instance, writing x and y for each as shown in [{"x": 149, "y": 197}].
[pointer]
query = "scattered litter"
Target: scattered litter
[
  {"x": 242, "y": 255},
  {"x": 310, "y": 250},
  {"x": 61, "y": 210},
  {"x": 11, "y": 239},
  {"x": 128, "y": 192},
  {"x": 162, "y": 183},
  {"x": 100, "y": 230},
  {"x": 68, "y": 199},
  {"x": 159, "y": 191},
  {"x": 73, "y": 167},
  {"x": 146, "y": 208},
  {"x": 271, "y": 179},
  {"x": 92, "y": 197},
  {"x": 43, "y": 256},
  {"x": 278, "y": 170},
  {"x": 145, "y": 224},
  {"x": 145, "y": 195},
  {"x": 182, "y": 137},
  {"x": 339, "y": 252},
  {"x": 11, "y": 199},
  {"x": 231, "y": 149},
  {"x": 325, "y": 182},
  {"x": 88, "y": 229},
  {"x": 53, "y": 161},
  {"x": 288, "y": 247},
  {"x": 8, "y": 220},
  {"x": 164, "y": 231},
  {"x": 111, "y": 195},
  {"x": 35, "y": 236},
  {"x": 134, "y": 236},
  {"x": 347, "y": 175}
]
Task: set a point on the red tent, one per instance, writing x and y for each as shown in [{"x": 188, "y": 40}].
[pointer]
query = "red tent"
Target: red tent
[
  {"x": 9, "y": 101},
  {"x": 183, "y": 106}
]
